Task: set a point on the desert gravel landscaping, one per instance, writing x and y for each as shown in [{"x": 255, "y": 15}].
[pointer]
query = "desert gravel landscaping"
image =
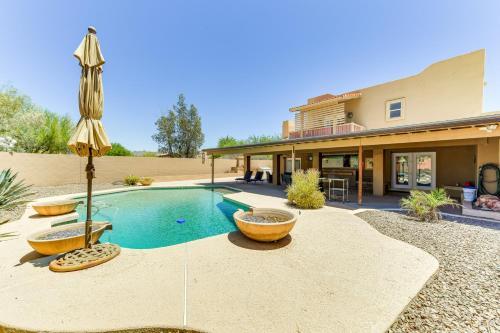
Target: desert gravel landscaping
[{"x": 464, "y": 294}]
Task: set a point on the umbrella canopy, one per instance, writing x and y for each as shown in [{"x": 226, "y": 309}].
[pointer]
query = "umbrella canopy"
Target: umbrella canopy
[{"x": 89, "y": 136}]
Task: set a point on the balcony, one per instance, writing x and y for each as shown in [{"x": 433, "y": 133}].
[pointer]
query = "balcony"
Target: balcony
[{"x": 342, "y": 129}]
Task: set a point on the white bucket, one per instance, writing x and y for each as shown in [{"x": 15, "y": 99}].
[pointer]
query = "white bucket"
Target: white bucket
[{"x": 469, "y": 194}]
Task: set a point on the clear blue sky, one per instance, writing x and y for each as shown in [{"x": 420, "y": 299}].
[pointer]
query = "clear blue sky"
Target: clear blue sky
[{"x": 242, "y": 63}]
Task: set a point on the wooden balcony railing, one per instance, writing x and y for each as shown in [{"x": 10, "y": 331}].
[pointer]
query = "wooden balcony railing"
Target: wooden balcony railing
[{"x": 346, "y": 128}]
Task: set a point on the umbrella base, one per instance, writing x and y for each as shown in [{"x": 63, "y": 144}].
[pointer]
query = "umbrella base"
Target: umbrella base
[{"x": 84, "y": 258}]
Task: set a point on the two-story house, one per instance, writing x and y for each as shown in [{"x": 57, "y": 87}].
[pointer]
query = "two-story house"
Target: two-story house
[{"x": 420, "y": 132}]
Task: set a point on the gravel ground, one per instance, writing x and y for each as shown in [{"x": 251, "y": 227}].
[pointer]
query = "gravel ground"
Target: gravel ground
[{"x": 464, "y": 294}]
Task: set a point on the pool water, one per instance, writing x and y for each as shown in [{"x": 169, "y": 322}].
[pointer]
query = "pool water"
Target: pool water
[{"x": 151, "y": 218}]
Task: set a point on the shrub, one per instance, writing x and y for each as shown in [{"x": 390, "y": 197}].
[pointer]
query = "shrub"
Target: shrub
[
  {"x": 425, "y": 205},
  {"x": 304, "y": 191},
  {"x": 131, "y": 180},
  {"x": 118, "y": 149}
]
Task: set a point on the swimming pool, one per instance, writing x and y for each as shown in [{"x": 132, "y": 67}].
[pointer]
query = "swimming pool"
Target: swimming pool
[{"x": 151, "y": 218}]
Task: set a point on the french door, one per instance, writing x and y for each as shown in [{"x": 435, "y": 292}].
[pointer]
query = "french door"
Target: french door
[{"x": 414, "y": 170}]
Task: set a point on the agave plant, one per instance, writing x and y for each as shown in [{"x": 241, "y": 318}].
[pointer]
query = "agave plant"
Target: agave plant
[{"x": 12, "y": 193}]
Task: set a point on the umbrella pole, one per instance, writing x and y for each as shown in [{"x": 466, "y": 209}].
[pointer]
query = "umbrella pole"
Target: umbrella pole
[{"x": 88, "y": 222}]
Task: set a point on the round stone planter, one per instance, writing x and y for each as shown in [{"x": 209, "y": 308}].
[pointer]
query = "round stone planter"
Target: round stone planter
[
  {"x": 72, "y": 237},
  {"x": 146, "y": 181},
  {"x": 265, "y": 231},
  {"x": 52, "y": 208}
]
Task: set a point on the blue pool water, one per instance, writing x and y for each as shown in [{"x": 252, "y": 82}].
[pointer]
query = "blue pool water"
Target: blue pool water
[{"x": 152, "y": 218}]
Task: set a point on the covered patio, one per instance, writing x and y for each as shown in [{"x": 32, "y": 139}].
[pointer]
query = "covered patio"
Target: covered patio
[{"x": 375, "y": 168}]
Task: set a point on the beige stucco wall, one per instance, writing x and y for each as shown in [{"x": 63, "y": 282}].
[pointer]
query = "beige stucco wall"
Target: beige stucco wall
[
  {"x": 454, "y": 165},
  {"x": 450, "y": 89},
  {"x": 48, "y": 169},
  {"x": 488, "y": 151}
]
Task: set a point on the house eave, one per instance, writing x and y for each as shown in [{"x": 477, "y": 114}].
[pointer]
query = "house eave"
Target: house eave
[{"x": 480, "y": 121}]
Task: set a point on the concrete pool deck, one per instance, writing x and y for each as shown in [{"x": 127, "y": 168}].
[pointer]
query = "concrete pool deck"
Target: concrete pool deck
[{"x": 335, "y": 273}]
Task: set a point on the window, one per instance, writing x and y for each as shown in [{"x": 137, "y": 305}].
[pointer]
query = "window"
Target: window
[
  {"x": 340, "y": 161},
  {"x": 394, "y": 109}
]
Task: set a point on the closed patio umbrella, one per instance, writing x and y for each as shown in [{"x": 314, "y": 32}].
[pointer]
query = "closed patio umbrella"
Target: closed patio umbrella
[{"x": 89, "y": 140}]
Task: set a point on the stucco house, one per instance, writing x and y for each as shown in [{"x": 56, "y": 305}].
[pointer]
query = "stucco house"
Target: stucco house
[{"x": 420, "y": 132}]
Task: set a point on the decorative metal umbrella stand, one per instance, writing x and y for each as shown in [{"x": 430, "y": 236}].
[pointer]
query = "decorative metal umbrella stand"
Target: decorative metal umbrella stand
[{"x": 89, "y": 140}]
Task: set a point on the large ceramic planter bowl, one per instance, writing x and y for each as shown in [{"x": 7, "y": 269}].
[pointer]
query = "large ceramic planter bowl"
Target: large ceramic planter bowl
[
  {"x": 265, "y": 231},
  {"x": 52, "y": 208},
  {"x": 72, "y": 237},
  {"x": 146, "y": 181}
]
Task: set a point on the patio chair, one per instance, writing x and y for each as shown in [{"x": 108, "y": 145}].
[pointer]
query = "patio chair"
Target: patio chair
[
  {"x": 286, "y": 178},
  {"x": 258, "y": 177},
  {"x": 246, "y": 178},
  {"x": 269, "y": 177}
]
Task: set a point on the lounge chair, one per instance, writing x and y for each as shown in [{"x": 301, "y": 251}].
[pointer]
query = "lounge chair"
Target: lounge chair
[
  {"x": 246, "y": 178},
  {"x": 269, "y": 177},
  {"x": 258, "y": 177}
]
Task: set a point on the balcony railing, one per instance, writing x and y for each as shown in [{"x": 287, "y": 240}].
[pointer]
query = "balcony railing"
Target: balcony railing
[{"x": 346, "y": 128}]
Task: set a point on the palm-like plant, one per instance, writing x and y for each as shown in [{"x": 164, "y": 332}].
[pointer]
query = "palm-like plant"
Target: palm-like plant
[
  {"x": 12, "y": 193},
  {"x": 425, "y": 206}
]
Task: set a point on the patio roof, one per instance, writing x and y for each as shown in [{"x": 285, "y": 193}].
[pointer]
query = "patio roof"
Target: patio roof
[{"x": 480, "y": 121}]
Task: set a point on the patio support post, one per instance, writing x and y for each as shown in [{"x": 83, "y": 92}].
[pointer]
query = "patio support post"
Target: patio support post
[
  {"x": 360, "y": 174},
  {"x": 248, "y": 160},
  {"x": 378, "y": 171},
  {"x": 213, "y": 166},
  {"x": 293, "y": 159},
  {"x": 275, "y": 171}
]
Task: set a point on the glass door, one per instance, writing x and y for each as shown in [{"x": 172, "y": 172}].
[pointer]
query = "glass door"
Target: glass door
[
  {"x": 425, "y": 170},
  {"x": 414, "y": 170},
  {"x": 402, "y": 170}
]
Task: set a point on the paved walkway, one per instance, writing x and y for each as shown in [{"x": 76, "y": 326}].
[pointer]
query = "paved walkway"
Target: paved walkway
[{"x": 335, "y": 273}]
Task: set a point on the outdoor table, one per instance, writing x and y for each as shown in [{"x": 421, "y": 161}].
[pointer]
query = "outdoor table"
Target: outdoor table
[{"x": 344, "y": 189}]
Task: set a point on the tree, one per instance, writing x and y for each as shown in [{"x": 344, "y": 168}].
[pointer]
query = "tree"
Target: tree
[
  {"x": 53, "y": 136},
  {"x": 166, "y": 136},
  {"x": 118, "y": 149},
  {"x": 228, "y": 141},
  {"x": 34, "y": 129},
  {"x": 179, "y": 132}
]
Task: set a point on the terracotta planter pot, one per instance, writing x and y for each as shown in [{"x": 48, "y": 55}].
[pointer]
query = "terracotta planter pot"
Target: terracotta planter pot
[
  {"x": 265, "y": 232},
  {"x": 146, "y": 181},
  {"x": 53, "y": 208},
  {"x": 62, "y": 245}
]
